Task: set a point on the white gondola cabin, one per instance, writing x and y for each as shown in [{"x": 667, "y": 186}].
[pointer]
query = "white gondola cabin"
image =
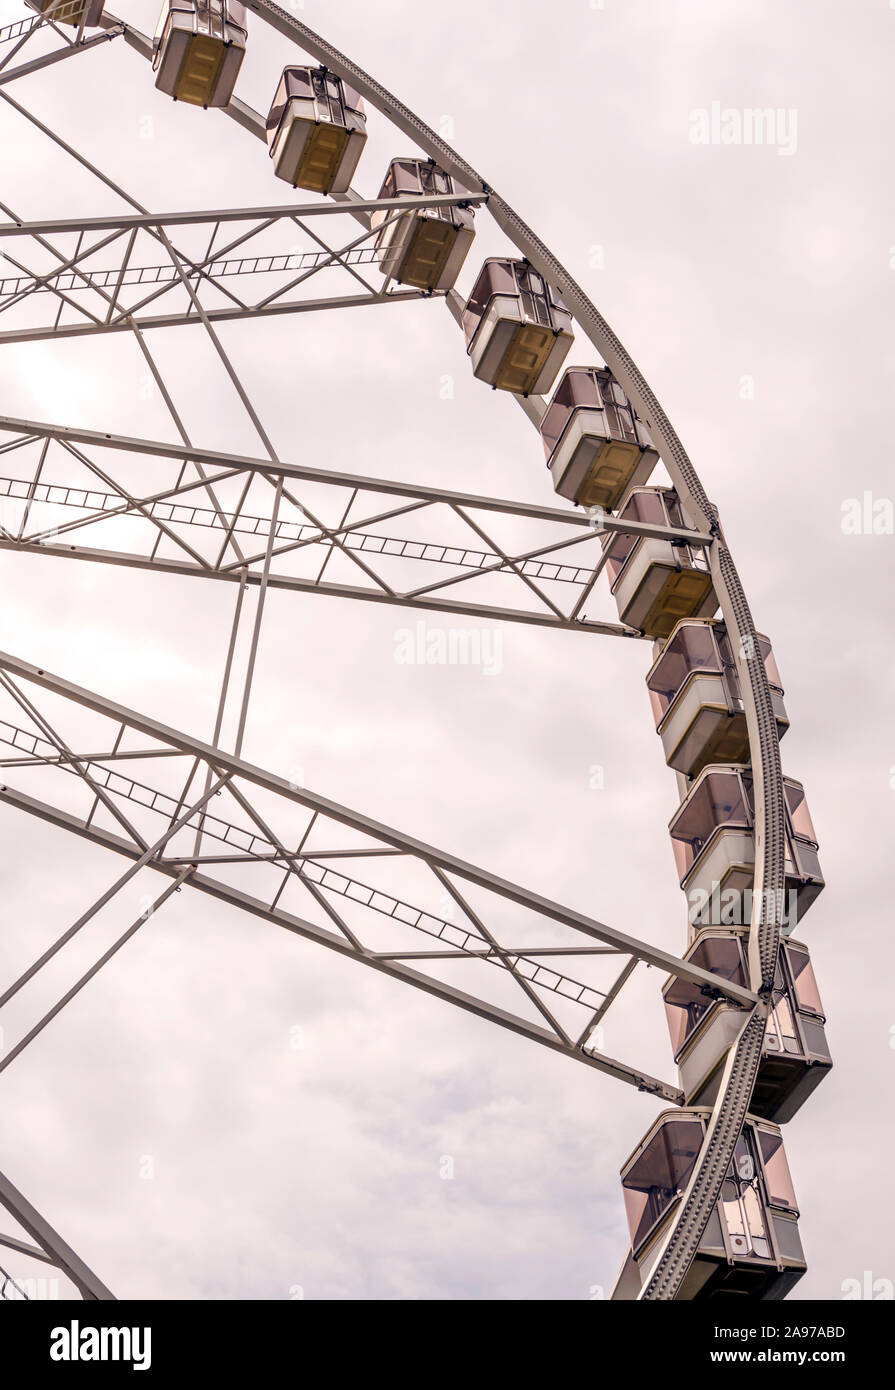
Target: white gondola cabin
[
  {"x": 750, "y": 1246},
  {"x": 74, "y": 12},
  {"x": 695, "y": 694},
  {"x": 316, "y": 130},
  {"x": 657, "y": 582},
  {"x": 518, "y": 332},
  {"x": 596, "y": 446},
  {"x": 795, "y": 1058},
  {"x": 713, "y": 837},
  {"x": 199, "y": 48},
  {"x": 423, "y": 247}
]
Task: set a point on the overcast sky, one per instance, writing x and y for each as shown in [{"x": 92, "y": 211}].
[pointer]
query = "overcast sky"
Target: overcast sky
[{"x": 167, "y": 1123}]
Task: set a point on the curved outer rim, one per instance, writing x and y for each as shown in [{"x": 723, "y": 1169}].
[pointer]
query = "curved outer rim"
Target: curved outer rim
[{"x": 673, "y": 1260}]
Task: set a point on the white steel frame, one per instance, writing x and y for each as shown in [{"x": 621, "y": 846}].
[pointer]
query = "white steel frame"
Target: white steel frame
[{"x": 188, "y": 841}]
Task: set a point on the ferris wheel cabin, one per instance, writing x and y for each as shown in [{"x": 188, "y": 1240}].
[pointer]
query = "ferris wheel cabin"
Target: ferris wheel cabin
[
  {"x": 199, "y": 48},
  {"x": 74, "y": 12},
  {"x": 423, "y": 247},
  {"x": 795, "y": 1057},
  {"x": 751, "y": 1244},
  {"x": 316, "y": 130},
  {"x": 697, "y": 703},
  {"x": 713, "y": 837},
  {"x": 518, "y": 331},
  {"x": 596, "y": 446},
  {"x": 657, "y": 582}
]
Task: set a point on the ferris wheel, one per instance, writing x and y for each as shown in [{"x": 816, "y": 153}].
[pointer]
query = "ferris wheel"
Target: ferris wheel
[{"x": 710, "y": 1202}]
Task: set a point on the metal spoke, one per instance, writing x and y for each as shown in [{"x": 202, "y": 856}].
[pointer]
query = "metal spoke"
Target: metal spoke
[{"x": 70, "y": 994}]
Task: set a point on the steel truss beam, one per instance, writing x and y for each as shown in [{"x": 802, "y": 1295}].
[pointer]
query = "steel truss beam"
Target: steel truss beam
[
  {"x": 20, "y": 27},
  {"x": 102, "y": 506},
  {"x": 455, "y": 607},
  {"x": 224, "y": 762},
  {"x": 235, "y": 897},
  {"x": 125, "y": 277},
  {"x": 274, "y": 212},
  {"x": 51, "y": 1248},
  {"x": 33, "y": 429},
  {"x": 308, "y": 868},
  {"x": 358, "y": 539},
  {"x": 157, "y": 225},
  {"x": 58, "y": 55},
  {"x": 191, "y": 318},
  {"x": 23, "y": 29},
  {"x": 313, "y": 867}
]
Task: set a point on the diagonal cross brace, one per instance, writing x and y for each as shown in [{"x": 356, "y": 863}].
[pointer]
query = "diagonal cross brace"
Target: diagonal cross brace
[{"x": 227, "y": 763}]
